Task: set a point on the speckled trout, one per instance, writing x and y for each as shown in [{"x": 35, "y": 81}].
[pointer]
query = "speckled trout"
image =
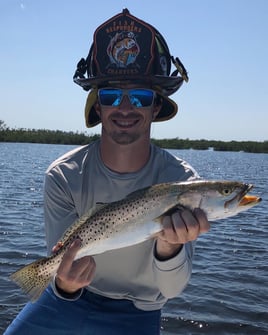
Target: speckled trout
[{"x": 134, "y": 219}]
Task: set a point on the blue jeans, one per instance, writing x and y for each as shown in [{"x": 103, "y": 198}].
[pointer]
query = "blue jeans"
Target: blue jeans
[{"x": 90, "y": 315}]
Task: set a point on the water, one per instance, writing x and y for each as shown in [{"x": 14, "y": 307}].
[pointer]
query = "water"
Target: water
[{"x": 228, "y": 291}]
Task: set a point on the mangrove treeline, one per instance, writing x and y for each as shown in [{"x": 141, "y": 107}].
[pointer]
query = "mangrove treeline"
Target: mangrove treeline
[{"x": 76, "y": 138}]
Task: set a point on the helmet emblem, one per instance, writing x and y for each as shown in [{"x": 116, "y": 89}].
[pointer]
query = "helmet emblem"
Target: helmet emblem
[{"x": 123, "y": 49}]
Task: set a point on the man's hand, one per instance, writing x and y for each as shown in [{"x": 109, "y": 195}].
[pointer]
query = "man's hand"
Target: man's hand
[
  {"x": 180, "y": 227},
  {"x": 73, "y": 275}
]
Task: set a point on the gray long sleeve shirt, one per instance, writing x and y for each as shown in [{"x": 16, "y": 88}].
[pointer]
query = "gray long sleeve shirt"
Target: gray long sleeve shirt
[{"x": 76, "y": 182}]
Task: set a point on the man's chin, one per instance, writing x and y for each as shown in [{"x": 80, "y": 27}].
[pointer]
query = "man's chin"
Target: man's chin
[{"x": 124, "y": 138}]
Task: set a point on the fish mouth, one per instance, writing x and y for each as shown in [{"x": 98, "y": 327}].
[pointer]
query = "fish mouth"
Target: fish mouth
[
  {"x": 249, "y": 200},
  {"x": 243, "y": 199}
]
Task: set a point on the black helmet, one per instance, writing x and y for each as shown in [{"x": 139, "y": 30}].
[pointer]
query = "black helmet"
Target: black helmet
[{"x": 128, "y": 50}]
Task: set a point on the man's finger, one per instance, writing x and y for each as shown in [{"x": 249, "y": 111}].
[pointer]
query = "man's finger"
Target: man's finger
[
  {"x": 202, "y": 219},
  {"x": 69, "y": 255}
]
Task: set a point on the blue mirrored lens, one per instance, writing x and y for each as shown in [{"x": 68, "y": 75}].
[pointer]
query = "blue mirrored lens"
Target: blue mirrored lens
[
  {"x": 137, "y": 97},
  {"x": 110, "y": 97},
  {"x": 141, "y": 97}
]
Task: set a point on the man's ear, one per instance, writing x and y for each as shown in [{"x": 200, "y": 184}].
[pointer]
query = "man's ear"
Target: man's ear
[
  {"x": 97, "y": 108},
  {"x": 156, "y": 109}
]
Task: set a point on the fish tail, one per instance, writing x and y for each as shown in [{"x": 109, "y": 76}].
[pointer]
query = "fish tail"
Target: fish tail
[{"x": 35, "y": 277}]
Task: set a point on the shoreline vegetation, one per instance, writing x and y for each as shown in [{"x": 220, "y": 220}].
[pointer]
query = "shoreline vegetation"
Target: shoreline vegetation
[{"x": 75, "y": 138}]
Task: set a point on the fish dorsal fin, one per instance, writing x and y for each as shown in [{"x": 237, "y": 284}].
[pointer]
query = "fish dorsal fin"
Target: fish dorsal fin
[
  {"x": 80, "y": 221},
  {"x": 96, "y": 208},
  {"x": 137, "y": 192}
]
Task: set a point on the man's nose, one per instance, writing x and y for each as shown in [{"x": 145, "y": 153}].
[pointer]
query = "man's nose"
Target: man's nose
[{"x": 125, "y": 102}]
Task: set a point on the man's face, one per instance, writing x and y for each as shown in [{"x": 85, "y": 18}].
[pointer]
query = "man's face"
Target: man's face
[{"x": 126, "y": 123}]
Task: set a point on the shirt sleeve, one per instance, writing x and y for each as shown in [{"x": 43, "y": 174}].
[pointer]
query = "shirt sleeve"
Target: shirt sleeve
[
  {"x": 59, "y": 209},
  {"x": 175, "y": 271}
]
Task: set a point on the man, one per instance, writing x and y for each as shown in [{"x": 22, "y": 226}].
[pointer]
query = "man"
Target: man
[{"x": 121, "y": 291}]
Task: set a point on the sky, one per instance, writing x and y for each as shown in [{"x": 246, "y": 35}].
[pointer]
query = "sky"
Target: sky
[{"x": 223, "y": 44}]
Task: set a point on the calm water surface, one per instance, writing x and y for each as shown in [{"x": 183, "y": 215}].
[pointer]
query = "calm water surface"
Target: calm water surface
[{"x": 228, "y": 291}]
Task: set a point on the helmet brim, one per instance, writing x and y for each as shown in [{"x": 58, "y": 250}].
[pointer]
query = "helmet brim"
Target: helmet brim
[{"x": 165, "y": 85}]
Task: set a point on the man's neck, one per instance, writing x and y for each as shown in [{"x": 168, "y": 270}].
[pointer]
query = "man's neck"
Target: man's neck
[{"x": 125, "y": 158}]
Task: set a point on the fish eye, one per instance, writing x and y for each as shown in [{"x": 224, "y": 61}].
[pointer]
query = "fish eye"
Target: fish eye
[{"x": 227, "y": 191}]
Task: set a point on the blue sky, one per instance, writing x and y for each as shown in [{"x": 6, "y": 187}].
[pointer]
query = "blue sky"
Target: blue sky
[{"x": 223, "y": 45}]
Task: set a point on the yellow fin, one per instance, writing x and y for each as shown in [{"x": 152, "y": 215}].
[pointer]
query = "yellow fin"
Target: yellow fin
[{"x": 35, "y": 277}]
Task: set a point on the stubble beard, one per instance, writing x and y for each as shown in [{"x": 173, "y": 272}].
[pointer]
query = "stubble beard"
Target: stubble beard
[{"x": 124, "y": 138}]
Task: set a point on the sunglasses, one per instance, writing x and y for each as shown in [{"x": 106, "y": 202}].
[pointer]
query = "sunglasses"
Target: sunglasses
[{"x": 138, "y": 97}]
